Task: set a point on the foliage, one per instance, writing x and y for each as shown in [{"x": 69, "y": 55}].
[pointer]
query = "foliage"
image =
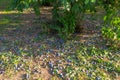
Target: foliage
[
  {"x": 111, "y": 27},
  {"x": 89, "y": 63},
  {"x": 25, "y": 4},
  {"x": 112, "y": 31},
  {"x": 66, "y": 13},
  {"x": 70, "y": 13}
]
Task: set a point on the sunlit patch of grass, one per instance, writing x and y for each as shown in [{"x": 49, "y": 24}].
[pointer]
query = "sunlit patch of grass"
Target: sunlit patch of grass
[
  {"x": 4, "y": 21},
  {"x": 9, "y": 22},
  {"x": 30, "y": 10},
  {"x": 55, "y": 78},
  {"x": 10, "y": 12},
  {"x": 11, "y": 63},
  {"x": 87, "y": 63},
  {"x": 92, "y": 63},
  {"x": 11, "y": 19}
]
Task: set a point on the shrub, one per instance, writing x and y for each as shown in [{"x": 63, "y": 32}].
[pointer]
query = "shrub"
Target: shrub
[
  {"x": 66, "y": 13},
  {"x": 112, "y": 32}
]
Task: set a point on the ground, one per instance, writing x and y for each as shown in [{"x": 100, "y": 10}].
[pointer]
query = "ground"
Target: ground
[{"x": 28, "y": 51}]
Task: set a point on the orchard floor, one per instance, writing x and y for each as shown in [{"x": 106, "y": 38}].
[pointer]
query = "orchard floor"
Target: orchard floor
[{"x": 28, "y": 51}]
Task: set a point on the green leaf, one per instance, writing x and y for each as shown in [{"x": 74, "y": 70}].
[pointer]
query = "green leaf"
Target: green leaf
[
  {"x": 93, "y": 1},
  {"x": 37, "y": 10},
  {"x": 87, "y": 1},
  {"x": 105, "y": 18}
]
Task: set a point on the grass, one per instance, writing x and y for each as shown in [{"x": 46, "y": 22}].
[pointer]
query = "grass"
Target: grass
[
  {"x": 9, "y": 23},
  {"x": 86, "y": 63},
  {"x": 83, "y": 63},
  {"x": 6, "y": 19},
  {"x": 92, "y": 63},
  {"x": 74, "y": 61}
]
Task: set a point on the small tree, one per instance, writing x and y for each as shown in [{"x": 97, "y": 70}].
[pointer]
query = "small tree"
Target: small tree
[{"x": 67, "y": 12}]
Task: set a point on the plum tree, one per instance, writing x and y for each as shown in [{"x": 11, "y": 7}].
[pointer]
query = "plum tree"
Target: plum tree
[{"x": 67, "y": 16}]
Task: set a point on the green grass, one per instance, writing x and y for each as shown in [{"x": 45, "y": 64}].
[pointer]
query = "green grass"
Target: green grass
[
  {"x": 91, "y": 63},
  {"x": 86, "y": 63},
  {"x": 9, "y": 22},
  {"x": 4, "y": 21}
]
